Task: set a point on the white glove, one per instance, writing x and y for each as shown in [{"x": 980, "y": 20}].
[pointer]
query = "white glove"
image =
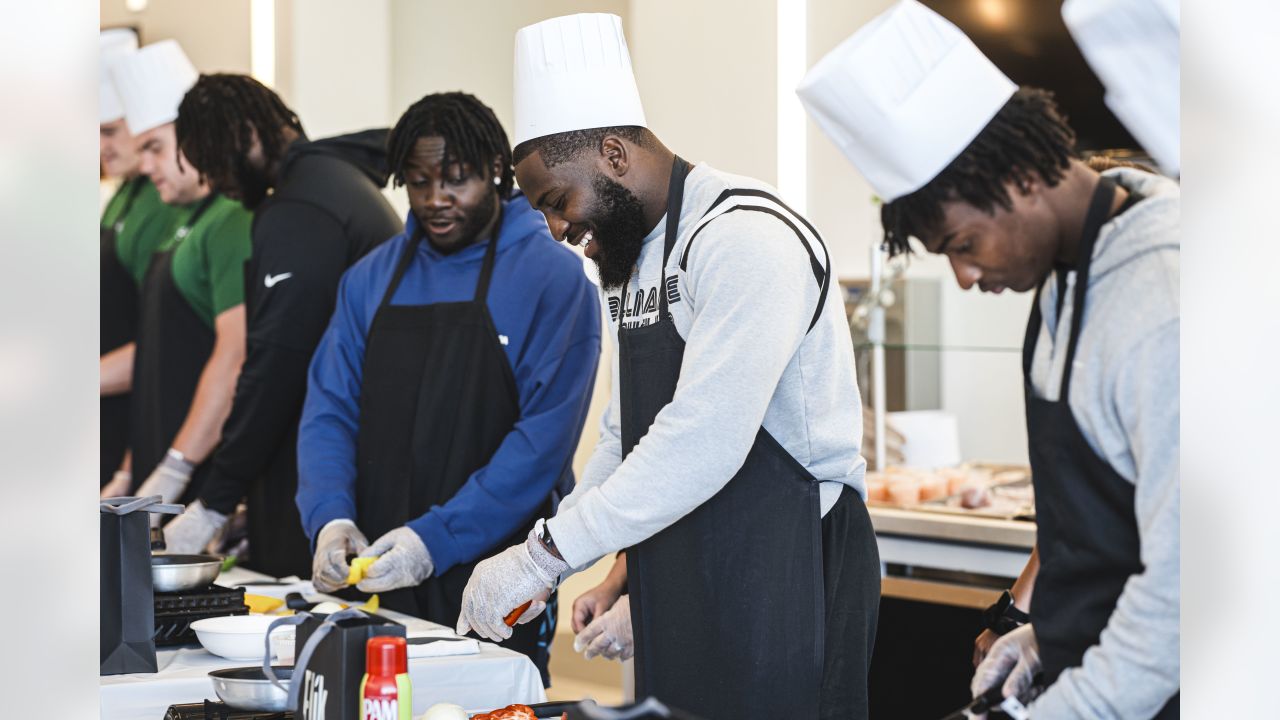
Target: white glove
[
  {"x": 168, "y": 480},
  {"x": 1013, "y": 660},
  {"x": 610, "y": 634},
  {"x": 337, "y": 540},
  {"x": 403, "y": 561},
  {"x": 504, "y": 582},
  {"x": 118, "y": 486},
  {"x": 193, "y": 530}
]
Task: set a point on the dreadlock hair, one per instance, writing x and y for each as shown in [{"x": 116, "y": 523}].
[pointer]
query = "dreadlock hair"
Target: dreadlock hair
[
  {"x": 565, "y": 146},
  {"x": 1028, "y": 135},
  {"x": 218, "y": 118},
  {"x": 471, "y": 132}
]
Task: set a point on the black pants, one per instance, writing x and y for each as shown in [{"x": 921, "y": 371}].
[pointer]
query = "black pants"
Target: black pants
[{"x": 851, "y": 577}]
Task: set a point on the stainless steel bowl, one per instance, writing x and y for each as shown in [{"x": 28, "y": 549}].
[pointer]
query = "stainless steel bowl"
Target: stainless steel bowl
[
  {"x": 183, "y": 572},
  {"x": 247, "y": 688}
]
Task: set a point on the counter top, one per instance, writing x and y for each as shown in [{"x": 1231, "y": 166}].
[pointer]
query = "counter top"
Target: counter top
[{"x": 956, "y": 528}]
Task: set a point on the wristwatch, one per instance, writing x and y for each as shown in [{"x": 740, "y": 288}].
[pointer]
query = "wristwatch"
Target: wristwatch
[
  {"x": 544, "y": 537},
  {"x": 1003, "y": 616}
]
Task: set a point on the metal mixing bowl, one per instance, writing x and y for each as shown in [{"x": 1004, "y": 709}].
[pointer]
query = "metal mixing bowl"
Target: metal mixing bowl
[
  {"x": 183, "y": 572},
  {"x": 247, "y": 688}
]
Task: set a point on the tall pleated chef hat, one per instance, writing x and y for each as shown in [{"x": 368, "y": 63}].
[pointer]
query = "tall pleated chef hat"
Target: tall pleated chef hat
[
  {"x": 151, "y": 83},
  {"x": 1132, "y": 45},
  {"x": 903, "y": 97},
  {"x": 112, "y": 45},
  {"x": 574, "y": 73}
]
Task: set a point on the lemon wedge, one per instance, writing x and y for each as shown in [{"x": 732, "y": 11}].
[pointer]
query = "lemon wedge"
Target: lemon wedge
[
  {"x": 358, "y": 566},
  {"x": 261, "y": 604}
]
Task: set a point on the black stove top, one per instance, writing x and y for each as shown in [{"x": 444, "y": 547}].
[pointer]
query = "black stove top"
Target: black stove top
[
  {"x": 210, "y": 710},
  {"x": 175, "y": 611}
]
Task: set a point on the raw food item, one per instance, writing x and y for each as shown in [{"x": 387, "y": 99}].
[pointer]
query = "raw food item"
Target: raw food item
[
  {"x": 510, "y": 712},
  {"x": 358, "y": 566},
  {"x": 904, "y": 490},
  {"x": 261, "y": 604},
  {"x": 932, "y": 487},
  {"x": 444, "y": 711},
  {"x": 974, "y": 496},
  {"x": 877, "y": 487},
  {"x": 327, "y": 608},
  {"x": 955, "y": 477},
  {"x": 370, "y": 606}
]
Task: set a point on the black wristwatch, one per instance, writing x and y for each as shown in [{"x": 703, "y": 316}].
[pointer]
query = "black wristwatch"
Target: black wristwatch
[
  {"x": 1003, "y": 617},
  {"x": 544, "y": 537}
]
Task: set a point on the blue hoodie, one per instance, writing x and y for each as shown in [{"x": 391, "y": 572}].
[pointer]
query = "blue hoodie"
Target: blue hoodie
[{"x": 542, "y": 301}]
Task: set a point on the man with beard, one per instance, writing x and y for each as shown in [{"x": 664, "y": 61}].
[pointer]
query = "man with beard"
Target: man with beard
[
  {"x": 985, "y": 173},
  {"x": 448, "y": 394},
  {"x": 325, "y": 211},
  {"x": 728, "y": 462}
]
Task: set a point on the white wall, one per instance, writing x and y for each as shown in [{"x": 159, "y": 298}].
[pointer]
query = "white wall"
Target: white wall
[
  {"x": 340, "y": 65},
  {"x": 215, "y": 35},
  {"x": 707, "y": 73},
  {"x": 469, "y": 46}
]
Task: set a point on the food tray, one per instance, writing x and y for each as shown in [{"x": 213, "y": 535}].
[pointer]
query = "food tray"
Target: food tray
[{"x": 1008, "y": 504}]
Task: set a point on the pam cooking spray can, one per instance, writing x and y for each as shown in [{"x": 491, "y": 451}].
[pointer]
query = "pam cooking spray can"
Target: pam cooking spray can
[{"x": 385, "y": 690}]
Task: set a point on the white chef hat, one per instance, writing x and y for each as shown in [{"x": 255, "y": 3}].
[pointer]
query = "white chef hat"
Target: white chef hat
[
  {"x": 574, "y": 73},
  {"x": 113, "y": 44},
  {"x": 151, "y": 83},
  {"x": 1132, "y": 45},
  {"x": 904, "y": 96}
]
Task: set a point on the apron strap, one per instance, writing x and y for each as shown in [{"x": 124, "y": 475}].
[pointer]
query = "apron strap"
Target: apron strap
[
  {"x": 490, "y": 258},
  {"x": 1099, "y": 212},
  {"x": 821, "y": 269},
  {"x": 135, "y": 189},
  {"x": 401, "y": 266},
  {"x": 675, "y": 203},
  {"x": 195, "y": 216}
]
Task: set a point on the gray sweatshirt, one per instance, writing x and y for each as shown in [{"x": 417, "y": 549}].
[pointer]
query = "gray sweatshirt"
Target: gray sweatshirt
[
  {"x": 1124, "y": 396},
  {"x": 743, "y": 309}
]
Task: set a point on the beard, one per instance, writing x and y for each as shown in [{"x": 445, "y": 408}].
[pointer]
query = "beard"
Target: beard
[
  {"x": 620, "y": 230},
  {"x": 252, "y": 184}
]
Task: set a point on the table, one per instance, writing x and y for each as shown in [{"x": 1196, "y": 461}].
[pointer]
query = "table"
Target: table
[{"x": 494, "y": 678}]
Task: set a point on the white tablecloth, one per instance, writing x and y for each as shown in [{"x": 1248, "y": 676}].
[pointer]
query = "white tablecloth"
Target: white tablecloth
[{"x": 494, "y": 678}]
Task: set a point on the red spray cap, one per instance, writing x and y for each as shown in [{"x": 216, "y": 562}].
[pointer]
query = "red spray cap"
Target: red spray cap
[{"x": 386, "y": 655}]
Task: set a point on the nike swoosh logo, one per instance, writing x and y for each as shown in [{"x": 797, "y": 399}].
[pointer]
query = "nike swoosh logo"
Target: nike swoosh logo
[{"x": 271, "y": 280}]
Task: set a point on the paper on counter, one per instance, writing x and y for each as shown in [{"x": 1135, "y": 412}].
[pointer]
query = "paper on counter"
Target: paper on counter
[{"x": 448, "y": 645}]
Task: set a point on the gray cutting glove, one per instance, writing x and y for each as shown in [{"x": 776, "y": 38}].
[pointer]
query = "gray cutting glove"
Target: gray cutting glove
[
  {"x": 337, "y": 540},
  {"x": 519, "y": 574},
  {"x": 1012, "y": 662},
  {"x": 609, "y": 635},
  {"x": 403, "y": 561},
  {"x": 192, "y": 531},
  {"x": 168, "y": 480}
]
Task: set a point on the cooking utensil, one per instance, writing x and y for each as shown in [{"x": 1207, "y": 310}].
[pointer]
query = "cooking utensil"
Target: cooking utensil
[
  {"x": 235, "y": 637},
  {"x": 992, "y": 699},
  {"x": 247, "y": 688},
  {"x": 183, "y": 572}
]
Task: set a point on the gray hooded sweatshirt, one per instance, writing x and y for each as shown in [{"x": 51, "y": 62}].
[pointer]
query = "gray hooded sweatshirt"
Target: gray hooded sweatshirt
[{"x": 1124, "y": 396}]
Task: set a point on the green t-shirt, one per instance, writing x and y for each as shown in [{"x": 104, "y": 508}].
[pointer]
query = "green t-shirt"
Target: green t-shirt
[
  {"x": 148, "y": 223},
  {"x": 208, "y": 264}
]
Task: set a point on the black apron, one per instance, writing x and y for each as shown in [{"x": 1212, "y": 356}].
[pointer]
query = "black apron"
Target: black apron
[
  {"x": 117, "y": 326},
  {"x": 173, "y": 345},
  {"x": 437, "y": 399},
  {"x": 1086, "y": 529},
  {"x": 727, "y": 604}
]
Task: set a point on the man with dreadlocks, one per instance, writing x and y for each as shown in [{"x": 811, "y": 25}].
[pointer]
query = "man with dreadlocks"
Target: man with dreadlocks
[
  {"x": 448, "y": 394},
  {"x": 984, "y": 173},
  {"x": 325, "y": 210},
  {"x": 728, "y": 460}
]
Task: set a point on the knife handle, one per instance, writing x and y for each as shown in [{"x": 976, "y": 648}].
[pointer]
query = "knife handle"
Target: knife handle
[{"x": 514, "y": 615}]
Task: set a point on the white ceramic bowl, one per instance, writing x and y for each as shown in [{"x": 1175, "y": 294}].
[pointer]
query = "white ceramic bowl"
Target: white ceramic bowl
[{"x": 236, "y": 637}]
